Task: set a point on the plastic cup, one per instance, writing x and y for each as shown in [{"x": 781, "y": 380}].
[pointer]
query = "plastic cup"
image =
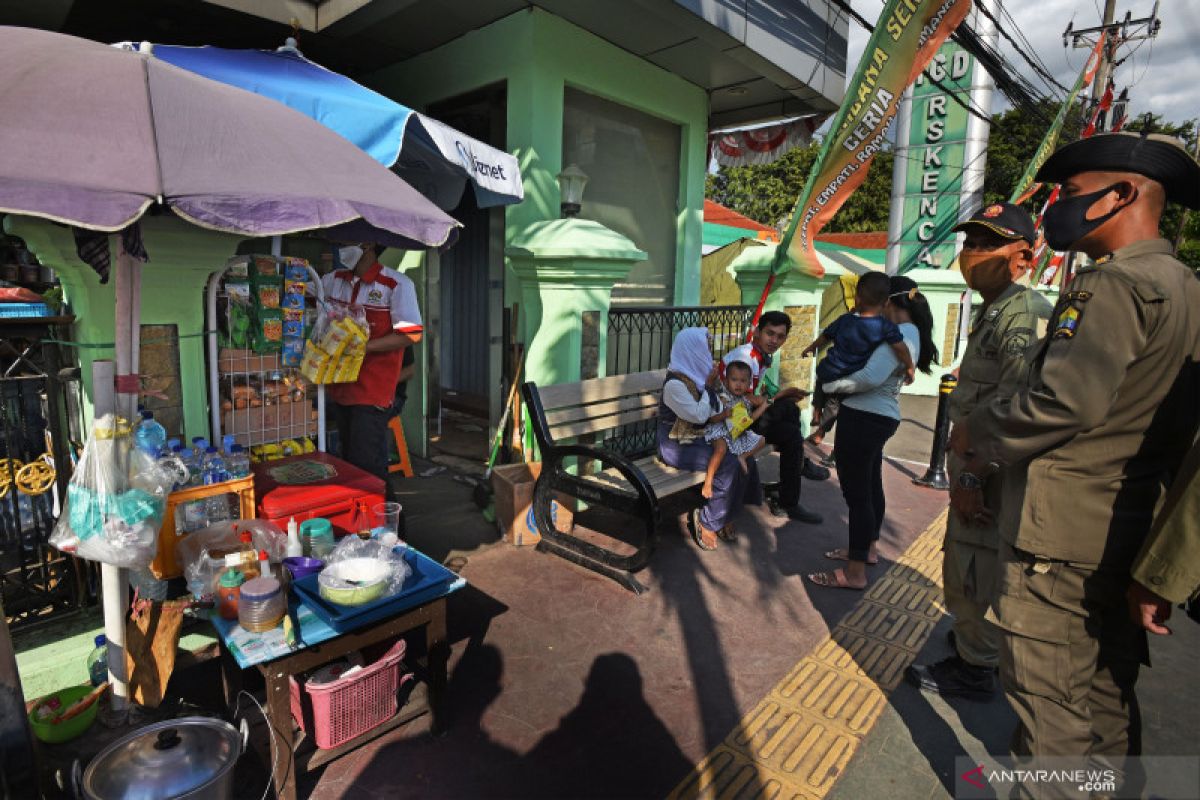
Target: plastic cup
[{"x": 387, "y": 516}]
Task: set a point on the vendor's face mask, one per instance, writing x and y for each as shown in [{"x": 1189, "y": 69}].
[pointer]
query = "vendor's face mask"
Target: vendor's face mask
[
  {"x": 350, "y": 255},
  {"x": 1066, "y": 222}
]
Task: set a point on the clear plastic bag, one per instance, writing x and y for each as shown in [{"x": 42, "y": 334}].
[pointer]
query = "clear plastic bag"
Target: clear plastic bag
[
  {"x": 362, "y": 571},
  {"x": 115, "y": 500},
  {"x": 195, "y": 550}
]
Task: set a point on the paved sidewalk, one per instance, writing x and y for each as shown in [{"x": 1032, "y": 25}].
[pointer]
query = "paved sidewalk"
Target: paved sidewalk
[{"x": 564, "y": 684}]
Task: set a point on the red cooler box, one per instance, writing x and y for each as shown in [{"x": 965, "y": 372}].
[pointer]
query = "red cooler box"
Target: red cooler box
[{"x": 314, "y": 485}]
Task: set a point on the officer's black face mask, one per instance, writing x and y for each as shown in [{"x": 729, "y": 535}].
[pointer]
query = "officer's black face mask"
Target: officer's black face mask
[{"x": 1066, "y": 221}]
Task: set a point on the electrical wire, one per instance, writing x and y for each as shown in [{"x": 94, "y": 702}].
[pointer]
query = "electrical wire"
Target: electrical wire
[
  {"x": 1037, "y": 68},
  {"x": 267, "y": 719}
]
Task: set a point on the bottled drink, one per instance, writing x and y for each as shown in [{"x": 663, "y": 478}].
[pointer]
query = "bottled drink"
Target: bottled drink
[
  {"x": 216, "y": 509},
  {"x": 195, "y": 515},
  {"x": 192, "y": 462},
  {"x": 150, "y": 436},
  {"x": 214, "y": 467},
  {"x": 227, "y": 442},
  {"x": 97, "y": 661},
  {"x": 238, "y": 462}
]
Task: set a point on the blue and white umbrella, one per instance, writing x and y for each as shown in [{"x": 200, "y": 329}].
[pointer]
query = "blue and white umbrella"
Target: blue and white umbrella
[{"x": 434, "y": 158}]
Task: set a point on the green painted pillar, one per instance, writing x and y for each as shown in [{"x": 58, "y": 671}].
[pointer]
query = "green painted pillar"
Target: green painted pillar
[
  {"x": 182, "y": 256},
  {"x": 566, "y": 267},
  {"x": 796, "y": 294}
]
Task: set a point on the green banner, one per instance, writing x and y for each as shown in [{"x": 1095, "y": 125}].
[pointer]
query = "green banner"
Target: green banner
[
  {"x": 907, "y": 36},
  {"x": 936, "y": 159}
]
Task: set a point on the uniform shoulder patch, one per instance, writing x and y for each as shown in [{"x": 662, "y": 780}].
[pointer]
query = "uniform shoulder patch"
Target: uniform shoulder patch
[{"x": 1067, "y": 323}]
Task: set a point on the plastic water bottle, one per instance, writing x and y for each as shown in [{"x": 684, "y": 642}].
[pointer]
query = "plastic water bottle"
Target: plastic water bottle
[
  {"x": 238, "y": 462},
  {"x": 193, "y": 464},
  {"x": 227, "y": 442},
  {"x": 195, "y": 515},
  {"x": 150, "y": 436},
  {"x": 216, "y": 508},
  {"x": 97, "y": 661},
  {"x": 214, "y": 468}
]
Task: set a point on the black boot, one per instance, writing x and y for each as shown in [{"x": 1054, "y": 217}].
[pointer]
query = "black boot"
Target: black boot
[{"x": 953, "y": 677}]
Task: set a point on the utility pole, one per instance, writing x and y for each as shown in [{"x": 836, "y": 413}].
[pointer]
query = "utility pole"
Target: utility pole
[{"x": 1118, "y": 33}]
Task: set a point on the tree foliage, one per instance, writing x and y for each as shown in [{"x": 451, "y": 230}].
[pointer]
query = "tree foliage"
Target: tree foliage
[{"x": 767, "y": 193}]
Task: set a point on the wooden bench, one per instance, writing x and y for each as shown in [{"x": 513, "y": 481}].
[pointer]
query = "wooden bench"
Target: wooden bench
[{"x": 563, "y": 413}]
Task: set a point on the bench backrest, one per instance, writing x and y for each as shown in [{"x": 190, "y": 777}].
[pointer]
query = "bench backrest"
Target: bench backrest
[{"x": 569, "y": 410}]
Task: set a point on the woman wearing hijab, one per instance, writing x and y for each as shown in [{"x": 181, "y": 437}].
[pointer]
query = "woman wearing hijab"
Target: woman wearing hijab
[
  {"x": 689, "y": 402},
  {"x": 869, "y": 417}
]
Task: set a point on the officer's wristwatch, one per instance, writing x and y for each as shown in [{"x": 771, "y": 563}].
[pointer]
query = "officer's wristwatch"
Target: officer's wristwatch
[{"x": 968, "y": 480}]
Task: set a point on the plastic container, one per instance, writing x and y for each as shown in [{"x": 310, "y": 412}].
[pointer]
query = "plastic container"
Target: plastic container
[
  {"x": 261, "y": 605},
  {"x": 300, "y": 566},
  {"x": 24, "y": 310},
  {"x": 149, "y": 436},
  {"x": 294, "y": 548},
  {"x": 336, "y": 712},
  {"x": 229, "y": 590},
  {"x": 316, "y": 537},
  {"x": 57, "y": 733},
  {"x": 97, "y": 661}
]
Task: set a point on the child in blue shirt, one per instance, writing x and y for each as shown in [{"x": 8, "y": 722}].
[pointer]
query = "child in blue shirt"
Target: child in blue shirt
[{"x": 854, "y": 336}]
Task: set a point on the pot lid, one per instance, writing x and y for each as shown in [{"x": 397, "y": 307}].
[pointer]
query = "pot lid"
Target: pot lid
[{"x": 166, "y": 759}]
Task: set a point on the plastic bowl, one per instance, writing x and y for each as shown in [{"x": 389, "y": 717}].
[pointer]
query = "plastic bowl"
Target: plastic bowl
[
  {"x": 300, "y": 566},
  {"x": 369, "y": 575},
  {"x": 51, "y": 733}
]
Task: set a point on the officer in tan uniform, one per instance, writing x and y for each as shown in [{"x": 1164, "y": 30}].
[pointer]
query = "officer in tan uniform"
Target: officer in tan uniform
[
  {"x": 1167, "y": 570},
  {"x": 1110, "y": 408},
  {"x": 997, "y": 252}
]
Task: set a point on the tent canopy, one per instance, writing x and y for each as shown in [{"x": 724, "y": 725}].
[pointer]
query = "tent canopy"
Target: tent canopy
[{"x": 434, "y": 158}]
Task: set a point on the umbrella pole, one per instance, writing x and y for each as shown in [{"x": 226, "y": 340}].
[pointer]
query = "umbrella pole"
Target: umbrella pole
[
  {"x": 113, "y": 582},
  {"x": 116, "y": 580}
]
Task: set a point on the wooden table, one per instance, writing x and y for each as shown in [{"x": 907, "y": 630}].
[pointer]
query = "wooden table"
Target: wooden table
[{"x": 322, "y": 645}]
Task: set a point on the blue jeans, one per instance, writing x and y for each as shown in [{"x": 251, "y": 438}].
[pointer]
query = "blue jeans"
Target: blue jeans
[{"x": 730, "y": 484}]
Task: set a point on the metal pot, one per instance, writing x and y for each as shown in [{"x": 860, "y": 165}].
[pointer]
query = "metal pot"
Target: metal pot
[{"x": 190, "y": 757}]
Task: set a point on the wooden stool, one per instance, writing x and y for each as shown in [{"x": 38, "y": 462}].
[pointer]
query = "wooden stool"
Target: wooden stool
[{"x": 403, "y": 465}]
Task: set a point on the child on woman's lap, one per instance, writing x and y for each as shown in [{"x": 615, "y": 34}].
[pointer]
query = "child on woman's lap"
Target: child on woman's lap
[{"x": 730, "y": 432}]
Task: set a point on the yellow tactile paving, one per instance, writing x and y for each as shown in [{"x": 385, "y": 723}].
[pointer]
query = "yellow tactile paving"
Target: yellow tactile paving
[{"x": 797, "y": 741}]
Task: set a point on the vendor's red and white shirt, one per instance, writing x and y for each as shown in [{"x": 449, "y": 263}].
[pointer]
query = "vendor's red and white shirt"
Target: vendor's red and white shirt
[{"x": 389, "y": 300}]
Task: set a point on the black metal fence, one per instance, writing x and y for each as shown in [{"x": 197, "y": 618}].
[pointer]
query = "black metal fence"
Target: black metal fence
[
  {"x": 639, "y": 339},
  {"x": 37, "y": 582}
]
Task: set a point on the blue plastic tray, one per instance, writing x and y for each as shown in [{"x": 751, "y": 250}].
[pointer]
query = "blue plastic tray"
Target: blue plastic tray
[
  {"x": 428, "y": 581},
  {"x": 24, "y": 310}
]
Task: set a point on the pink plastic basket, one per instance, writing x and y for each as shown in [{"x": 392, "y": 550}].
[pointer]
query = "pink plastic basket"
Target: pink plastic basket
[{"x": 335, "y": 713}]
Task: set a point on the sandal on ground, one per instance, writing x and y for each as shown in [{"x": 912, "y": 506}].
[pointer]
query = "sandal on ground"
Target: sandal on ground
[
  {"x": 840, "y": 554},
  {"x": 834, "y": 579},
  {"x": 699, "y": 531},
  {"x": 727, "y": 533}
]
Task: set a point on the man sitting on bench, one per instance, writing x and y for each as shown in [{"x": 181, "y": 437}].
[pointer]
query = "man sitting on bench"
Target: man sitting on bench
[{"x": 780, "y": 425}]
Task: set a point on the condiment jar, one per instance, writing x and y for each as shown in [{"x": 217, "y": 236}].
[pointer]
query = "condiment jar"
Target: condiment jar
[{"x": 229, "y": 590}]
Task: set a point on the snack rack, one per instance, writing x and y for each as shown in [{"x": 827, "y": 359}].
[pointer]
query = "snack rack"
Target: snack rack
[{"x": 282, "y": 411}]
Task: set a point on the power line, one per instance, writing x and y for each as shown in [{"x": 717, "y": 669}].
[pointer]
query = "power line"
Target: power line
[{"x": 1028, "y": 59}]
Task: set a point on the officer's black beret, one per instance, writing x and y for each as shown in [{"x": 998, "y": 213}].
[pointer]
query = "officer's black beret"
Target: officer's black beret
[{"x": 1160, "y": 158}]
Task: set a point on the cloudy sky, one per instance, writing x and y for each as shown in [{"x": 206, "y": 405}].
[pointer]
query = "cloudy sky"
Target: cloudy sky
[{"x": 1163, "y": 74}]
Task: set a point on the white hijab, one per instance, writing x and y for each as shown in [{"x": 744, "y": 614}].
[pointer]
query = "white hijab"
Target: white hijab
[{"x": 691, "y": 355}]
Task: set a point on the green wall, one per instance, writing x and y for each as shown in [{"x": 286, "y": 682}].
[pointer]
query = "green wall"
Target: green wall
[
  {"x": 536, "y": 55},
  {"x": 173, "y": 282}
]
